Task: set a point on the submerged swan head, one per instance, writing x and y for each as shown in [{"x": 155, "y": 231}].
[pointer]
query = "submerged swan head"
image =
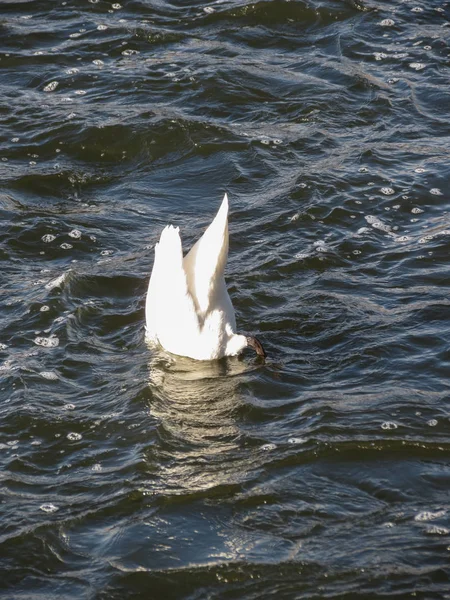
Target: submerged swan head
[{"x": 188, "y": 309}]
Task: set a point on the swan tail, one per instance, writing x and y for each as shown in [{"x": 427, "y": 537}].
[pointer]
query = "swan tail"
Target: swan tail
[
  {"x": 170, "y": 314},
  {"x": 205, "y": 263}
]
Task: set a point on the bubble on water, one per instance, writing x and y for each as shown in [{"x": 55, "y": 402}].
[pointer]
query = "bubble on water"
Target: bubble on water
[
  {"x": 379, "y": 55},
  {"x": 426, "y": 239},
  {"x": 416, "y": 211},
  {"x": 393, "y": 80},
  {"x": 208, "y": 9},
  {"x": 301, "y": 255},
  {"x": 417, "y": 9},
  {"x": 363, "y": 170},
  {"x": 294, "y": 217},
  {"x": 33, "y": 163},
  {"x": 378, "y": 224},
  {"x": 362, "y": 230},
  {"x": 356, "y": 252},
  {"x": 48, "y": 238},
  {"x": 427, "y": 47},
  {"x": 49, "y": 508},
  {"x": 106, "y": 252},
  {"x": 436, "y": 192},
  {"x": 98, "y": 62},
  {"x": 15, "y": 139},
  {"x": 51, "y": 87},
  {"x": 97, "y": 467},
  {"x": 102, "y": 27},
  {"x": 129, "y": 52},
  {"x": 72, "y": 71},
  {"x": 417, "y": 66},
  {"x": 66, "y": 246},
  {"x": 75, "y": 234},
  {"x": 389, "y": 425},
  {"x": 75, "y": 35},
  {"x": 427, "y": 515},
  {"x": 268, "y": 447},
  {"x": 387, "y": 23},
  {"x": 297, "y": 440},
  {"x": 403, "y": 238},
  {"x": 94, "y": 1},
  {"x": 387, "y": 191},
  {"x": 50, "y": 375},
  {"x": 47, "y": 342},
  {"x": 117, "y": 6},
  {"x": 80, "y": 92},
  {"x": 74, "y": 437},
  {"x": 69, "y": 406},
  {"x": 3, "y": 346},
  {"x": 432, "y": 422}
]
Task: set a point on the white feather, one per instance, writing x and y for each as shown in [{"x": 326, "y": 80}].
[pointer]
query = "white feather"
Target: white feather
[{"x": 188, "y": 309}]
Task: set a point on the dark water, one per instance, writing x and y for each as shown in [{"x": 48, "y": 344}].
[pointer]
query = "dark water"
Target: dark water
[{"x": 324, "y": 473}]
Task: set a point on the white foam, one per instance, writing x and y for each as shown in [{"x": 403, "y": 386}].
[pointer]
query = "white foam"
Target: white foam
[
  {"x": 55, "y": 282},
  {"x": 49, "y": 237},
  {"x": 47, "y": 342},
  {"x": 389, "y": 425},
  {"x": 378, "y": 224},
  {"x": 51, "y": 87},
  {"x": 74, "y": 437},
  {"x": 268, "y": 447},
  {"x": 49, "y": 508},
  {"x": 50, "y": 375},
  {"x": 417, "y": 66},
  {"x": 427, "y": 515}
]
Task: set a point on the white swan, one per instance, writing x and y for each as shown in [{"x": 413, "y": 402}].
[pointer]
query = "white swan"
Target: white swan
[{"x": 188, "y": 309}]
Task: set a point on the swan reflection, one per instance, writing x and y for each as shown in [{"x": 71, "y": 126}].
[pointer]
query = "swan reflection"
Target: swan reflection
[{"x": 197, "y": 406}]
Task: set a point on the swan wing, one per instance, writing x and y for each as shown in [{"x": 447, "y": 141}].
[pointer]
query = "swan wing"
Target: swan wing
[
  {"x": 205, "y": 263},
  {"x": 170, "y": 312}
]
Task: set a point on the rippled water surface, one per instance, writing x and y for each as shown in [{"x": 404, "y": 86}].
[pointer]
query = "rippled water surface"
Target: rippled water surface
[{"x": 130, "y": 473}]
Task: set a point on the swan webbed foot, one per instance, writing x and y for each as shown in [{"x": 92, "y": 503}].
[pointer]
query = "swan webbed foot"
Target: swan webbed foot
[{"x": 256, "y": 345}]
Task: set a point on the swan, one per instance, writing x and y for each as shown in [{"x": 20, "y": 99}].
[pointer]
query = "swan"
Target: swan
[{"x": 188, "y": 309}]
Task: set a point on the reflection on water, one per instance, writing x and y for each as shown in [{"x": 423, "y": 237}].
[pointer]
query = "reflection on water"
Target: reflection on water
[{"x": 196, "y": 404}]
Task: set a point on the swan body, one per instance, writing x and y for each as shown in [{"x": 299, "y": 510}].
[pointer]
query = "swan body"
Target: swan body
[{"x": 188, "y": 309}]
